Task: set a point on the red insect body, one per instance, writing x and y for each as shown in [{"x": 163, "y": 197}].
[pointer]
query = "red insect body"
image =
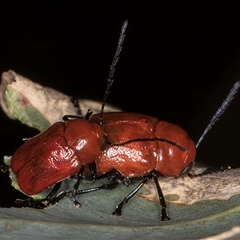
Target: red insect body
[
  {"x": 138, "y": 144},
  {"x": 56, "y": 154}
]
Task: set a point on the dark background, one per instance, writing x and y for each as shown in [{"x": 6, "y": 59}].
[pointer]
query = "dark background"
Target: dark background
[{"x": 179, "y": 61}]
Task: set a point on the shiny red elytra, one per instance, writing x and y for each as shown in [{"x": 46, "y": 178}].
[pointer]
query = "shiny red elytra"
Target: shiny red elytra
[
  {"x": 128, "y": 144},
  {"x": 56, "y": 154},
  {"x": 138, "y": 144}
]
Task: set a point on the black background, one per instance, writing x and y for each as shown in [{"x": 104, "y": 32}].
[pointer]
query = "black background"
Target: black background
[{"x": 179, "y": 61}]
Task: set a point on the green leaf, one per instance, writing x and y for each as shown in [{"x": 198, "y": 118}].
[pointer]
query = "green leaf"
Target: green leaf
[{"x": 140, "y": 220}]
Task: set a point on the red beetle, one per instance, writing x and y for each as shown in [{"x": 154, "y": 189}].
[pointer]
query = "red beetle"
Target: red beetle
[
  {"x": 133, "y": 145},
  {"x": 138, "y": 144}
]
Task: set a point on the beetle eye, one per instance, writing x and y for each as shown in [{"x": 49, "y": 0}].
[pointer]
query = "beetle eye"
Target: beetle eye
[
  {"x": 104, "y": 142},
  {"x": 186, "y": 170}
]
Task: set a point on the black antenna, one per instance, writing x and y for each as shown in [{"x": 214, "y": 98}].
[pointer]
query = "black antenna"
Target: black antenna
[
  {"x": 220, "y": 110},
  {"x": 110, "y": 79}
]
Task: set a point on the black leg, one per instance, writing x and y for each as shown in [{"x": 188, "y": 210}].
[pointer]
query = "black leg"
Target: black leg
[
  {"x": 112, "y": 183},
  {"x": 42, "y": 203},
  {"x": 30, "y": 202},
  {"x": 67, "y": 117},
  {"x": 4, "y": 168},
  {"x": 93, "y": 169},
  {"x": 210, "y": 171},
  {"x": 53, "y": 198},
  {"x": 25, "y": 139},
  {"x": 75, "y": 103},
  {"x": 76, "y": 186},
  {"x": 118, "y": 210},
  {"x": 88, "y": 114},
  {"x": 164, "y": 215},
  {"x": 107, "y": 186}
]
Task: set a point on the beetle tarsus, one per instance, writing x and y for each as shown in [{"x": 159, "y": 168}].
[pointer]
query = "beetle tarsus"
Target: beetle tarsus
[
  {"x": 50, "y": 200},
  {"x": 76, "y": 105},
  {"x": 118, "y": 210},
  {"x": 162, "y": 202},
  {"x": 211, "y": 170},
  {"x": 40, "y": 204},
  {"x": 4, "y": 168},
  {"x": 74, "y": 198},
  {"x": 88, "y": 114},
  {"x": 77, "y": 203},
  {"x": 164, "y": 215},
  {"x": 76, "y": 185},
  {"x": 30, "y": 202},
  {"x": 68, "y": 117}
]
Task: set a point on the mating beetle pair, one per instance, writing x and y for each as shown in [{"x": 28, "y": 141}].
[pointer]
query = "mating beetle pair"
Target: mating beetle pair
[{"x": 132, "y": 145}]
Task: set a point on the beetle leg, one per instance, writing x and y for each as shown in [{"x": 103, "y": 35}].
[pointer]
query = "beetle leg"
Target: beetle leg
[
  {"x": 164, "y": 215},
  {"x": 75, "y": 103},
  {"x": 76, "y": 186},
  {"x": 186, "y": 171},
  {"x": 108, "y": 186},
  {"x": 4, "y": 168},
  {"x": 42, "y": 203},
  {"x": 93, "y": 169},
  {"x": 67, "y": 117},
  {"x": 59, "y": 196},
  {"x": 88, "y": 114},
  {"x": 111, "y": 184},
  {"x": 25, "y": 139},
  {"x": 210, "y": 171},
  {"x": 118, "y": 210},
  {"x": 51, "y": 195}
]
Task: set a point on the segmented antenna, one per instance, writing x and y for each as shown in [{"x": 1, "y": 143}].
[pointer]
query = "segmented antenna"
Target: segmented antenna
[
  {"x": 110, "y": 79},
  {"x": 220, "y": 110}
]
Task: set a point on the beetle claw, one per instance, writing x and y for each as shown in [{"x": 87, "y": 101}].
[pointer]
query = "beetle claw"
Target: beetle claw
[
  {"x": 77, "y": 203},
  {"x": 118, "y": 210},
  {"x": 164, "y": 216},
  {"x": 31, "y": 203},
  {"x": 20, "y": 201},
  {"x": 117, "y": 213}
]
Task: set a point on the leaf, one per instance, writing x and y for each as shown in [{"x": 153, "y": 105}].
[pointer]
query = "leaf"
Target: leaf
[
  {"x": 140, "y": 219},
  {"x": 38, "y": 106}
]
